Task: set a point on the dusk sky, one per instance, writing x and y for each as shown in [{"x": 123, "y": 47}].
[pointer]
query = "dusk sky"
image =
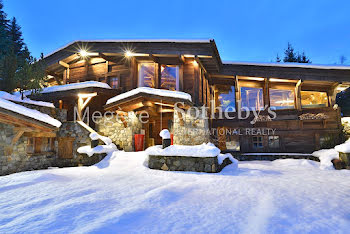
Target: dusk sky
[{"x": 243, "y": 30}]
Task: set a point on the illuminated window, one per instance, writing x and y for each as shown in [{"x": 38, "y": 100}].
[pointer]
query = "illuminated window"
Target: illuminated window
[
  {"x": 258, "y": 142},
  {"x": 169, "y": 77},
  {"x": 252, "y": 98},
  {"x": 114, "y": 82},
  {"x": 274, "y": 142},
  {"x": 227, "y": 98},
  {"x": 146, "y": 75},
  {"x": 312, "y": 99},
  {"x": 282, "y": 99}
]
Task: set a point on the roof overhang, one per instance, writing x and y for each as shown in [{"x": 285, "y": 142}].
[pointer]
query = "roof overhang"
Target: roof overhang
[
  {"x": 338, "y": 74},
  {"x": 151, "y": 103},
  {"x": 24, "y": 122},
  {"x": 162, "y": 51},
  {"x": 74, "y": 94}
]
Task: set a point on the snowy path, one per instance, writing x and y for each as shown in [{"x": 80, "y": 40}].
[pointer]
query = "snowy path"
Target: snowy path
[{"x": 284, "y": 196}]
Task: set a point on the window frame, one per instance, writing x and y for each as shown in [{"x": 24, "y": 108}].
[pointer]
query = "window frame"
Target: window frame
[
  {"x": 294, "y": 98},
  {"x": 259, "y": 141},
  {"x": 274, "y": 137},
  {"x": 314, "y": 91},
  {"x": 177, "y": 78},
  {"x": 141, "y": 82},
  {"x": 233, "y": 88},
  {"x": 110, "y": 79},
  {"x": 262, "y": 96}
]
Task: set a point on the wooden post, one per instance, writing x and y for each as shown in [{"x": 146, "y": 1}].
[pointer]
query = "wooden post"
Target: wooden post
[
  {"x": 266, "y": 92},
  {"x": 237, "y": 92},
  {"x": 157, "y": 76},
  {"x": 298, "y": 95}
]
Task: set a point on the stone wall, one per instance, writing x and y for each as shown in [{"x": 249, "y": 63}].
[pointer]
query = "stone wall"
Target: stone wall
[
  {"x": 122, "y": 134},
  {"x": 191, "y": 129},
  {"x": 15, "y": 159},
  {"x": 180, "y": 163}
]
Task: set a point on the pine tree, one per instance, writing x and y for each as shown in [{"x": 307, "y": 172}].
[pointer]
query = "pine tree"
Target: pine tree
[
  {"x": 289, "y": 54},
  {"x": 4, "y": 39},
  {"x": 15, "y": 36},
  {"x": 295, "y": 57},
  {"x": 278, "y": 59}
]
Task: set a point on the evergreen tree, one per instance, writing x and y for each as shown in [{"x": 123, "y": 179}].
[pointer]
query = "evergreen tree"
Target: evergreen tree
[
  {"x": 4, "y": 39},
  {"x": 289, "y": 54},
  {"x": 295, "y": 57},
  {"x": 278, "y": 59},
  {"x": 18, "y": 69},
  {"x": 15, "y": 36}
]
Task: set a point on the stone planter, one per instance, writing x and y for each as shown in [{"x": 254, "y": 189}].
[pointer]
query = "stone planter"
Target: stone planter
[{"x": 184, "y": 163}]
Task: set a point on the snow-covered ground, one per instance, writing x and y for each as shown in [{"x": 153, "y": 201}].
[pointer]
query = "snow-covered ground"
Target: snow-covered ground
[{"x": 121, "y": 195}]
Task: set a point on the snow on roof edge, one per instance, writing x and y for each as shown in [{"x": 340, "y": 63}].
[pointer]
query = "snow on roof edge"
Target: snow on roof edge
[
  {"x": 31, "y": 113},
  {"x": 131, "y": 40},
  {"x": 159, "y": 92},
  {"x": 17, "y": 98},
  {"x": 301, "y": 65}
]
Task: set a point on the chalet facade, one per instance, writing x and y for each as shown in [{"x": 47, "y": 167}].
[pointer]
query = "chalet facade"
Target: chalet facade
[{"x": 302, "y": 96}]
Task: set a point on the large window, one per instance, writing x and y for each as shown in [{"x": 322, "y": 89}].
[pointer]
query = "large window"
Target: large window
[
  {"x": 282, "y": 99},
  {"x": 169, "y": 77},
  {"x": 146, "y": 75},
  {"x": 312, "y": 99},
  {"x": 252, "y": 98},
  {"x": 227, "y": 98}
]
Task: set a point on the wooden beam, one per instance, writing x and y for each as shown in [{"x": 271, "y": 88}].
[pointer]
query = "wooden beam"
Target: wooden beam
[
  {"x": 66, "y": 65},
  {"x": 16, "y": 137},
  {"x": 196, "y": 58}
]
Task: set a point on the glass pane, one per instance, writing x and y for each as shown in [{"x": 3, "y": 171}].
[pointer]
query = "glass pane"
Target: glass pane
[
  {"x": 312, "y": 99},
  {"x": 114, "y": 82},
  {"x": 227, "y": 98},
  {"x": 252, "y": 98},
  {"x": 146, "y": 75},
  {"x": 282, "y": 99},
  {"x": 274, "y": 141},
  {"x": 169, "y": 77}
]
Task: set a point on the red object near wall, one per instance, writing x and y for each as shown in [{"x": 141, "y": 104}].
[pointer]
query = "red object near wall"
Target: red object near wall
[
  {"x": 172, "y": 138},
  {"x": 139, "y": 142}
]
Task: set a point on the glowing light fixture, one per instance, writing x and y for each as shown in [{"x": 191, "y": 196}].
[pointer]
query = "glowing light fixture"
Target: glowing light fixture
[
  {"x": 83, "y": 53},
  {"x": 128, "y": 54},
  {"x": 195, "y": 63}
]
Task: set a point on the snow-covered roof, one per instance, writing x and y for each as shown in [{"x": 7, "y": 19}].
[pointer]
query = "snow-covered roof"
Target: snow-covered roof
[
  {"x": 16, "y": 98},
  {"x": 81, "y": 85},
  {"x": 58, "y": 88},
  {"x": 147, "y": 90},
  {"x": 301, "y": 65},
  {"x": 133, "y": 40},
  {"x": 203, "y": 150},
  {"x": 8, "y": 105}
]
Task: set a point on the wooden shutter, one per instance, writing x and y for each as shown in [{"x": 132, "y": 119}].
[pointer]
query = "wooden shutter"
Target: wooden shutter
[{"x": 65, "y": 147}]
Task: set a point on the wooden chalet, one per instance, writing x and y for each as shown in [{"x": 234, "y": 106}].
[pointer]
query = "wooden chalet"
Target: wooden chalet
[{"x": 303, "y": 96}]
